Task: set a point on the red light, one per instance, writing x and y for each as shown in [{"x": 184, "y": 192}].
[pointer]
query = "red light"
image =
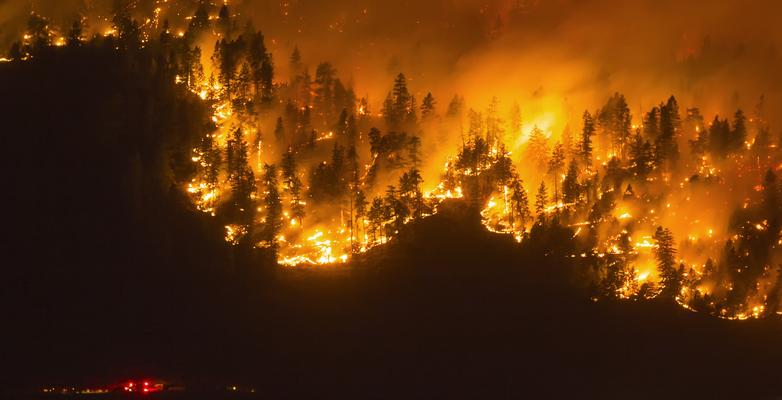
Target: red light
[
  {"x": 146, "y": 383},
  {"x": 146, "y": 390},
  {"x": 130, "y": 384}
]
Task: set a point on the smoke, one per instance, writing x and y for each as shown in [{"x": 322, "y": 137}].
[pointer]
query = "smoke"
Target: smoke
[{"x": 565, "y": 54}]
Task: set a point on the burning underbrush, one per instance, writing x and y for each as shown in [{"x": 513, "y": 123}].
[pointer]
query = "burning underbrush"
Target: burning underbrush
[{"x": 659, "y": 204}]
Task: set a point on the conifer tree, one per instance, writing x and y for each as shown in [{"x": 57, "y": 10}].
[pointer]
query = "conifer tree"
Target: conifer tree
[
  {"x": 279, "y": 131},
  {"x": 273, "y": 206},
  {"x": 538, "y": 149},
  {"x": 541, "y": 199},
  {"x": 555, "y": 165},
  {"x": 665, "y": 254},
  {"x": 455, "y": 107},
  {"x": 428, "y": 107},
  {"x": 293, "y": 185},
  {"x": 586, "y": 147},
  {"x": 519, "y": 203},
  {"x": 571, "y": 190}
]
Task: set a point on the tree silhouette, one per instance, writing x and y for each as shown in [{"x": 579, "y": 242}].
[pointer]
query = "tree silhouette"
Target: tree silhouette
[
  {"x": 665, "y": 253},
  {"x": 586, "y": 139},
  {"x": 541, "y": 200},
  {"x": 555, "y": 165},
  {"x": 571, "y": 189},
  {"x": 293, "y": 185},
  {"x": 519, "y": 203},
  {"x": 538, "y": 149},
  {"x": 273, "y": 206},
  {"x": 428, "y": 107}
]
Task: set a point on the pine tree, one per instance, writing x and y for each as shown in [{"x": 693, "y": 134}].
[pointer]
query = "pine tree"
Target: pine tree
[
  {"x": 224, "y": 21},
  {"x": 262, "y": 68},
  {"x": 475, "y": 128},
  {"x": 538, "y": 149},
  {"x": 127, "y": 30},
  {"x": 719, "y": 139},
  {"x": 428, "y": 107},
  {"x": 360, "y": 204},
  {"x": 541, "y": 200},
  {"x": 397, "y": 105},
  {"x": 292, "y": 184},
  {"x": 195, "y": 71},
  {"x": 774, "y": 295},
  {"x": 739, "y": 134},
  {"x": 279, "y": 131},
  {"x": 295, "y": 65},
  {"x": 455, "y": 107},
  {"x": 641, "y": 157},
  {"x": 240, "y": 177},
  {"x": 652, "y": 123},
  {"x": 342, "y": 124},
  {"x": 411, "y": 116},
  {"x": 410, "y": 191},
  {"x": 414, "y": 151},
  {"x": 37, "y": 36},
  {"x": 571, "y": 190},
  {"x": 273, "y": 205},
  {"x": 243, "y": 83},
  {"x": 519, "y": 203},
  {"x": 555, "y": 165},
  {"x": 351, "y": 131},
  {"x": 665, "y": 254},
  {"x": 620, "y": 275},
  {"x": 666, "y": 143},
  {"x": 615, "y": 119},
  {"x": 394, "y": 210},
  {"x": 586, "y": 139},
  {"x": 200, "y": 20},
  {"x": 75, "y": 35},
  {"x": 324, "y": 87},
  {"x": 211, "y": 161},
  {"x": 376, "y": 217},
  {"x": 493, "y": 123}
]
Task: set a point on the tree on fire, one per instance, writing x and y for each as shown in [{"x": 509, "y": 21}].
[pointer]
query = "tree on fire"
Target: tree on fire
[
  {"x": 585, "y": 146},
  {"x": 428, "y": 107},
  {"x": 240, "y": 177},
  {"x": 541, "y": 201},
  {"x": 538, "y": 149},
  {"x": 665, "y": 253},
  {"x": 293, "y": 185},
  {"x": 244, "y": 76},
  {"x": 614, "y": 119},
  {"x": 273, "y": 206},
  {"x": 555, "y": 164},
  {"x": 519, "y": 203},
  {"x": 399, "y": 106},
  {"x": 328, "y": 180},
  {"x": 620, "y": 277},
  {"x": 571, "y": 189},
  {"x": 666, "y": 147}
]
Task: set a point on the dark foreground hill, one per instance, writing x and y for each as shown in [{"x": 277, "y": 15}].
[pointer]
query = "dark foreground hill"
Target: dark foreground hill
[
  {"x": 433, "y": 317},
  {"x": 109, "y": 275}
]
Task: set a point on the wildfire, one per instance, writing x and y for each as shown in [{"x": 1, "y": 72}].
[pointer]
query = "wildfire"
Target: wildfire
[{"x": 613, "y": 196}]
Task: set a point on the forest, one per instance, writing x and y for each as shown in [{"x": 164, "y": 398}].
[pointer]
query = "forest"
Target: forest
[{"x": 185, "y": 202}]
